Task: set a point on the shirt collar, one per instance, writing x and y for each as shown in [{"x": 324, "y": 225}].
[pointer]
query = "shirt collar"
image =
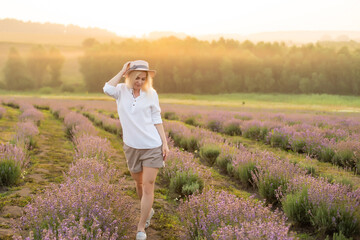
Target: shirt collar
[{"x": 132, "y": 90}]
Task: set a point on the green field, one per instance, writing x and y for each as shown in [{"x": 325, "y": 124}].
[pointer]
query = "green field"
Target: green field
[{"x": 319, "y": 102}]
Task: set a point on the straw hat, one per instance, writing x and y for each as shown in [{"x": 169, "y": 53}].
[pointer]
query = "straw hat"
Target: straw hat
[{"x": 140, "y": 65}]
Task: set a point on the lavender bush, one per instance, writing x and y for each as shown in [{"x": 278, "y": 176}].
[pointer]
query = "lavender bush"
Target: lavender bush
[
  {"x": 76, "y": 124},
  {"x": 92, "y": 170},
  {"x": 12, "y": 161},
  {"x": 331, "y": 208},
  {"x": 79, "y": 208},
  {"x": 32, "y": 114},
  {"x": 92, "y": 147},
  {"x": 25, "y": 133},
  {"x": 183, "y": 173},
  {"x": 205, "y": 216}
]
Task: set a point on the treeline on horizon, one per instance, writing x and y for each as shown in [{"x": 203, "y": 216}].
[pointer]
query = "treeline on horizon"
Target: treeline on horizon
[{"x": 224, "y": 66}]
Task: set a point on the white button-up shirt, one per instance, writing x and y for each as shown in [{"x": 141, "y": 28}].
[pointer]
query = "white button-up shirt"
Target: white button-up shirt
[{"x": 137, "y": 116}]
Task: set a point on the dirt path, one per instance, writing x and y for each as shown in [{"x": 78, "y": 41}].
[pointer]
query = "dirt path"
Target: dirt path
[
  {"x": 166, "y": 223},
  {"x": 52, "y": 156},
  {"x": 163, "y": 224}
]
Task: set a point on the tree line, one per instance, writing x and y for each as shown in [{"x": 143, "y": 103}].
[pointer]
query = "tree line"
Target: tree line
[
  {"x": 201, "y": 67},
  {"x": 228, "y": 66},
  {"x": 41, "y": 68}
]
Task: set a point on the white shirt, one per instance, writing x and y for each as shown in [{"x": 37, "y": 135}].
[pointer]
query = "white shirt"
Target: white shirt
[{"x": 137, "y": 116}]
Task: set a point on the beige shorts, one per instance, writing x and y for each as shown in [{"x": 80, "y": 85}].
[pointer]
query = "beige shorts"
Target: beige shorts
[{"x": 137, "y": 158}]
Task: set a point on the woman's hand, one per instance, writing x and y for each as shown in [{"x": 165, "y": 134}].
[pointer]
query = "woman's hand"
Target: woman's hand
[
  {"x": 165, "y": 151},
  {"x": 125, "y": 68}
]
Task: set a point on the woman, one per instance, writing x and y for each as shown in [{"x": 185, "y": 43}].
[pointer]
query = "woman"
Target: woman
[{"x": 145, "y": 143}]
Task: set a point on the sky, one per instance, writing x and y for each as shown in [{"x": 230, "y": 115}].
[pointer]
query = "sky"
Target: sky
[{"x": 136, "y": 18}]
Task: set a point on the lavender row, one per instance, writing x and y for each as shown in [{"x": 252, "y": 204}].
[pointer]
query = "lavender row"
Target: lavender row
[
  {"x": 88, "y": 205},
  {"x": 270, "y": 175},
  {"x": 335, "y": 141},
  {"x": 211, "y": 214},
  {"x": 220, "y": 215},
  {"x": 30, "y": 113},
  {"x": 349, "y": 124},
  {"x": 14, "y": 156},
  {"x": 108, "y": 124},
  {"x": 206, "y": 213}
]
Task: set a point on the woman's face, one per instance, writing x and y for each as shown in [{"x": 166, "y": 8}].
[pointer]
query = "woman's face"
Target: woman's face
[{"x": 139, "y": 81}]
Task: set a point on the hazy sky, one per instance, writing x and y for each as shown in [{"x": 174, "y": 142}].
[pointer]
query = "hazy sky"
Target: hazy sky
[{"x": 138, "y": 17}]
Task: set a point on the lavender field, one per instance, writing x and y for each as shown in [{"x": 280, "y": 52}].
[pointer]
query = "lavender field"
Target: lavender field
[{"x": 232, "y": 173}]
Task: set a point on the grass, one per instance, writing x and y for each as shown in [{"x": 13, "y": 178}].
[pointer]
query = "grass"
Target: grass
[
  {"x": 321, "y": 102},
  {"x": 324, "y": 102},
  {"x": 52, "y": 156},
  {"x": 8, "y": 124}
]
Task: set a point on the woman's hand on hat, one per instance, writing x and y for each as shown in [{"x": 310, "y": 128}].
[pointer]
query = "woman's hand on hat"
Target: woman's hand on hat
[{"x": 125, "y": 68}]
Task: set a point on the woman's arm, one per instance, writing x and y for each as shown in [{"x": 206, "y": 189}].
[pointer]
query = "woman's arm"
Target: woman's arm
[
  {"x": 165, "y": 148},
  {"x": 116, "y": 79}
]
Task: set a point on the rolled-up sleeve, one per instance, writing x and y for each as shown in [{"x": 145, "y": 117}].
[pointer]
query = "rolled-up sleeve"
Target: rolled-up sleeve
[
  {"x": 112, "y": 91},
  {"x": 155, "y": 110}
]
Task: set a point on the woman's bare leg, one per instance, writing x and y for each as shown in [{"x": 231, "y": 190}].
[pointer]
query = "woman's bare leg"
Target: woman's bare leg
[
  {"x": 138, "y": 182},
  {"x": 148, "y": 177}
]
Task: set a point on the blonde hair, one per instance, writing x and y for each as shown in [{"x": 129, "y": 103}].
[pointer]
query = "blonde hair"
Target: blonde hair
[{"x": 130, "y": 79}]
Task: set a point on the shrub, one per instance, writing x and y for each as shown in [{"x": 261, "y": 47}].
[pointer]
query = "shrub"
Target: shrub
[
  {"x": 298, "y": 145},
  {"x": 334, "y": 220},
  {"x": 10, "y": 172},
  {"x": 232, "y": 129},
  {"x": 297, "y": 206},
  {"x": 186, "y": 183},
  {"x": 268, "y": 186},
  {"x": 334, "y": 207},
  {"x": 79, "y": 209},
  {"x": 311, "y": 170},
  {"x": 192, "y": 121},
  {"x": 344, "y": 158},
  {"x": 245, "y": 172},
  {"x": 32, "y": 114},
  {"x": 256, "y": 132},
  {"x": 214, "y": 125},
  {"x": 222, "y": 162},
  {"x": 192, "y": 144},
  {"x": 171, "y": 116},
  {"x": 209, "y": 153},
  {"x": 25, "y": 134},
  {"x": 326, "y": 154},
  {"x": 204, "y": 216},
  {"x": 88, "y": 146},
  {"x": 279, "y": 139}
]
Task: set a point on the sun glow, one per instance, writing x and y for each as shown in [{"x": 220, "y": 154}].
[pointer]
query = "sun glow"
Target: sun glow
[{"x": 136, "y": 18}]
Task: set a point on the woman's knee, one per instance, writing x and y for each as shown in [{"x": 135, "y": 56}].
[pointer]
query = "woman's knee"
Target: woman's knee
[{"x": 148, "y": 187}]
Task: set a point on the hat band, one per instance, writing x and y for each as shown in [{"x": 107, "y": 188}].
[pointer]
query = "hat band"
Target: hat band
[{"x": 138, "y": 66}]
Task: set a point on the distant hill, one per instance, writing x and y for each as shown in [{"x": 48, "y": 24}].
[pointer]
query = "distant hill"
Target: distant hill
[
  {"x": 295, "y": 37},
  {"x": 12, "y": 30}
]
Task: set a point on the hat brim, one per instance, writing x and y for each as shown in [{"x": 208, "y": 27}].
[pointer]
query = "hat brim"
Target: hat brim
[{"x": 151, "y": 72}]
